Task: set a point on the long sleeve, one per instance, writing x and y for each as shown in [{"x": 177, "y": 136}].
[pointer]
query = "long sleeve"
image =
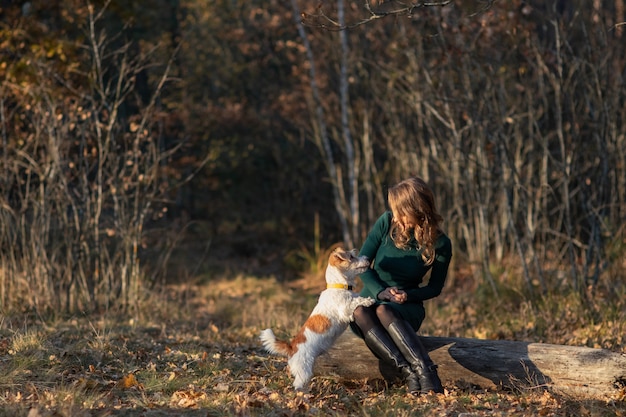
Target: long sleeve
[
  {"x": 371, "y": 281},
  {"x": 438, "y": 274}
]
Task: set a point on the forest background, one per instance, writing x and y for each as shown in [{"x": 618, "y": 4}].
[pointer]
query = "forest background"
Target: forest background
[{"x": 147, "y": 144}]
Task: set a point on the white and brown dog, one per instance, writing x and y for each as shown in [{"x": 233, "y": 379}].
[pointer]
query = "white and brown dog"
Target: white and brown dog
[{"x": 328, "y": 320}]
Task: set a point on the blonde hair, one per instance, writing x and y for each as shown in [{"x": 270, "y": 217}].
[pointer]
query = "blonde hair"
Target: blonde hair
[{"x": 412, "y": 201}]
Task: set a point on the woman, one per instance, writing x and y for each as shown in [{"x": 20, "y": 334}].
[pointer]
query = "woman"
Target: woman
[{"x": 404, "y": 244}]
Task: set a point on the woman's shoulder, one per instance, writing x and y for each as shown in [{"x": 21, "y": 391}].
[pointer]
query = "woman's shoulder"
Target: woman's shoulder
[
  {"x": 443, "y": 241},
  {"x": 443, "y": 248},
  {"x": 384, "y": 220},
  {"x": 382, "y": 224}
]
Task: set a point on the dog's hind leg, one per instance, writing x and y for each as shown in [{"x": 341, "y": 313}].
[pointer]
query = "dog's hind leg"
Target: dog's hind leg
[{"x": 301, "y": 368}]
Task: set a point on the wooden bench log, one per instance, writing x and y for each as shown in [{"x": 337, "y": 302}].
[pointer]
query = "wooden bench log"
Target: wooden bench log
[{"x": 577, "y": 371}]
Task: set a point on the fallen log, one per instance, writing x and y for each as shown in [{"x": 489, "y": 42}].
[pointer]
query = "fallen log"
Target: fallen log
[{"x": 577, "y": 371}]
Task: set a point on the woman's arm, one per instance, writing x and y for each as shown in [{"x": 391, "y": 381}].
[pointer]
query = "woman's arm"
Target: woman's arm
[
  {"x": 371, "y": 280},
  {"x": 438, "y": 273}
]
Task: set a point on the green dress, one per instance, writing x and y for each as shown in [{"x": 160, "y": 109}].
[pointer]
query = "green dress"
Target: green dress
[{"x": 403, "y": 269}]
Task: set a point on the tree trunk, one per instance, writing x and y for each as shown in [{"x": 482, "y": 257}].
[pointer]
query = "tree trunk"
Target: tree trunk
[{"x": 571, "y": 370}]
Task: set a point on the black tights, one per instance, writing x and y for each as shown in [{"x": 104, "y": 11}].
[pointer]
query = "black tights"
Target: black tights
[{"x": 369, "y": 317}]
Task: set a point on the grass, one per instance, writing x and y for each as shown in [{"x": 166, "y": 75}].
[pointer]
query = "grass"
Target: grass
[{"x": 194, "y": 351}]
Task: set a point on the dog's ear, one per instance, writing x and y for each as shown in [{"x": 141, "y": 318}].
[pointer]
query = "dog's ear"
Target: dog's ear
[
  {"x": 347, "y": 255},
  {"x": 337, "y": 251},
  {"x": 338, "y": 256}
]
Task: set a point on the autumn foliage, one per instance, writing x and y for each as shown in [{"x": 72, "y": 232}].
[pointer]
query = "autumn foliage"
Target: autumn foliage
[
  {"x": 263, "y": 132},
  {"x": 172, "y": 174}
]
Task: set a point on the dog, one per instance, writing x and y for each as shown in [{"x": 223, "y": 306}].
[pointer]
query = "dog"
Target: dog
[{"x": 328, "y": 320}]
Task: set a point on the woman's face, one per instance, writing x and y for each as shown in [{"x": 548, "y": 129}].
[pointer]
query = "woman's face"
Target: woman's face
[{"x": 406, "y": 222}]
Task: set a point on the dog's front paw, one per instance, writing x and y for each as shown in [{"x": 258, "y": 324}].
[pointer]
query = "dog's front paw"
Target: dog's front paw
[{"x": 366, "y": 302}]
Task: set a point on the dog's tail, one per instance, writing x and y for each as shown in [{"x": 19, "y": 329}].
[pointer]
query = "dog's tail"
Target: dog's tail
[{"x": 274, "y": 346}]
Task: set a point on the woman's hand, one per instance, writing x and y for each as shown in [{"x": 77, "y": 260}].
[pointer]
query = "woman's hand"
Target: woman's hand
[{"x": 393, "y": 294}]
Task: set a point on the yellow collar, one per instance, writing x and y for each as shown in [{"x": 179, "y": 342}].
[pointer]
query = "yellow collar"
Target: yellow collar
[{"x": 340, "y": 286}]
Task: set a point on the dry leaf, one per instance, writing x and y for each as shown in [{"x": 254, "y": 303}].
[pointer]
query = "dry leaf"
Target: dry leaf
[
  {"x": 221, "y": 387},
  {"x": 129, "y": 381},
  {"x": 187, "y": 399}
]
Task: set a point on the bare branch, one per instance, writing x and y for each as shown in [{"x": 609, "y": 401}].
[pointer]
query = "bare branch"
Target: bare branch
[{"x": 375, "y": 10}]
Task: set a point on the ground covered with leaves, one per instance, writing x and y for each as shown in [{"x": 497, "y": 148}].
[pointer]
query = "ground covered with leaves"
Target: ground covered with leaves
[{"x": 194, "y": 351}]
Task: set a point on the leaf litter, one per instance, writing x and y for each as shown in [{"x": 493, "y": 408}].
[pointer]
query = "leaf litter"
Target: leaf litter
[{"x": 195, "y": 361}]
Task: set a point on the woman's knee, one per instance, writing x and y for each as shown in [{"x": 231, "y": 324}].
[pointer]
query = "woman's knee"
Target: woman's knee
[
  {"x": 384, "y": 310},
  {"x": 386, "y": 314},
  {"x": 363, "y": 314}
]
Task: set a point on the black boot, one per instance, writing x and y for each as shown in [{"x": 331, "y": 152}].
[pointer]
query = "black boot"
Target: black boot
[
  {"x": 412, "y": 349},
  {"x": 378, "y": 341}
]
